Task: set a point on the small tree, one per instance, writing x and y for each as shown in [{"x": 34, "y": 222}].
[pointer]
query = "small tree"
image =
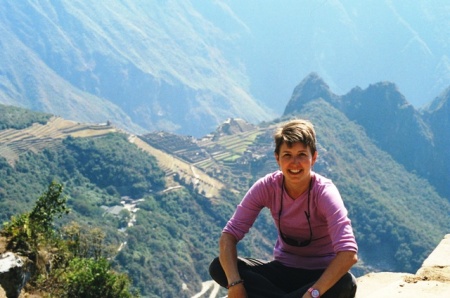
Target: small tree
[
  {"x": 49, "y": 205},
  {"x": 27, "y": 229}
]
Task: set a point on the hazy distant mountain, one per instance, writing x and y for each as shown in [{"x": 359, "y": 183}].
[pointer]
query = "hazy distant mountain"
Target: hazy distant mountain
[
  {"x": 145, "y": 65},
  {"x": 348, "y": 43},
  {"x": 186, "y": 66}
]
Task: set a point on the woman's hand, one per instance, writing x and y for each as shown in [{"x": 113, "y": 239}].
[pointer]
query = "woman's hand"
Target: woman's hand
[
  {"x": 237, "y": 291},
  {"x": 341, "y": 264}
]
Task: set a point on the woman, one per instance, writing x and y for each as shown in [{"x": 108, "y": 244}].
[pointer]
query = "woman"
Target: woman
[{"x": 316, "y": 246}]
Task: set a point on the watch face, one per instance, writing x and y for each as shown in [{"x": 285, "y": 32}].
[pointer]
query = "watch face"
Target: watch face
[{"x": 315, "y": 293}]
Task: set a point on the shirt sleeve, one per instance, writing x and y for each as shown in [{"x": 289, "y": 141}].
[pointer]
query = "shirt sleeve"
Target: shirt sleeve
[
  {"x": 336, "y": 215},
  {"x": 247, "y": 211}
]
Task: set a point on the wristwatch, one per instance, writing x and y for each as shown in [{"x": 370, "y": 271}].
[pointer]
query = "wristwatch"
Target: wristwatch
[{"x": 314, "y": 292}]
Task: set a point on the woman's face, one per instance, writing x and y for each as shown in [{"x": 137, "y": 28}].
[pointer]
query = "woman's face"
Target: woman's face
[{"x": 296, "y": 162}]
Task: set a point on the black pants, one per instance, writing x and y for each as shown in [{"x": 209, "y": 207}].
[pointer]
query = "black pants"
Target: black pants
[{"x": 273, "y": 280}]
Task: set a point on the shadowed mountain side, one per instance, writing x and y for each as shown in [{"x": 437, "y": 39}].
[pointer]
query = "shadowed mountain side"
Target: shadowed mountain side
[
  {"x": 438, "y": 116},
  {"x": 417, "y": 140},
  {"x": 28, "y": 82}
]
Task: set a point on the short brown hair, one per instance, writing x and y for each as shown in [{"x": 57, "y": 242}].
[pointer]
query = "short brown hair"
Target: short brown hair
[{"x": 296, "y": 131}]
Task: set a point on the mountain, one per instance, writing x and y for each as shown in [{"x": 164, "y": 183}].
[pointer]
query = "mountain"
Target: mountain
[
  {"x": 416, "y": 139},
  {"x": 187, "y": 66},
  {"x": 145, "y": 66},
  {"x": 349, "y": 43},
  {"x": 437, "y": 114}
]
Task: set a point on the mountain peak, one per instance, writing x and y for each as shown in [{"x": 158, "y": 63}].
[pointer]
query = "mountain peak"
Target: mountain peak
[
  {"x": 310, "y": 88},
  {"x": 312, "y": 76}
]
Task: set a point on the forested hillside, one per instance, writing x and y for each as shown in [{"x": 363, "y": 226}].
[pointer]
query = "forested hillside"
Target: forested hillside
[
  {"x": 397, "y": 216},
  {"x": 175, "y": 233}
]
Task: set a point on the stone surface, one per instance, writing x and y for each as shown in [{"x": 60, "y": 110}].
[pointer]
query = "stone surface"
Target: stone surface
[
  {"x": 2, "y": 293},
  {"x": 431, "y": 280},
  {"x": 12, "y": 274}
]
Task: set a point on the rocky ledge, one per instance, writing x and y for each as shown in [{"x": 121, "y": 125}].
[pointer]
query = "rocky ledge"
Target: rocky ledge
[{"x": 431, "y": 280}]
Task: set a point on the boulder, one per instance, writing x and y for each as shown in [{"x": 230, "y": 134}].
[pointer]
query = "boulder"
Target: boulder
[{"x": 13, "y": 274}]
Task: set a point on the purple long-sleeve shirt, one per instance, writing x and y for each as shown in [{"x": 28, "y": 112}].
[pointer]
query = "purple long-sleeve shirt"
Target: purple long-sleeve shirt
[{"x": 331, "y": 227}]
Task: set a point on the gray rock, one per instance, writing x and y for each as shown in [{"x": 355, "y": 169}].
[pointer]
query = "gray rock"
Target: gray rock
[{"x": 13, "y": 274}]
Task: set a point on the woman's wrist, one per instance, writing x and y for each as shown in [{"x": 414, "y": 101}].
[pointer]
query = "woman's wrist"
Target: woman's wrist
[{"x": 234, "y": 283}]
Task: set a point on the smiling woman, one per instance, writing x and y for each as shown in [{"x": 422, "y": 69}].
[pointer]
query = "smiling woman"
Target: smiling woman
[{"x": 315, "y": 248}]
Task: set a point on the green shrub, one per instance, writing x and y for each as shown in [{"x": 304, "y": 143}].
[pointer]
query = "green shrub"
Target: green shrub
[{"x": 94, "y": 278}]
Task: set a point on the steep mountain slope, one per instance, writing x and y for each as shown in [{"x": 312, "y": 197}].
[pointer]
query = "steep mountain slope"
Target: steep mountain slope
[
  {"x": 186, "y": 66},
  {"x": 103, "y": 171},
  {"x": 417, "y": 140},
  {"x": 437, "y": 114},
  {"x": 145, "y": 66},
  {"x": 27, "y": 81}
]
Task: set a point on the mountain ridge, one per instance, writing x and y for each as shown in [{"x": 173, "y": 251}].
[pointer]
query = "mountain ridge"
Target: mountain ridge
[
  {"x": 391, "y": 122},
  {"x": 149, "y": 66}
]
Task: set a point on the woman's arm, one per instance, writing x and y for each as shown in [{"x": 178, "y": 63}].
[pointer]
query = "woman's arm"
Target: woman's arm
[
  {"x": 340, "y": 265},
  {"x": 228, "y": 260}
]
